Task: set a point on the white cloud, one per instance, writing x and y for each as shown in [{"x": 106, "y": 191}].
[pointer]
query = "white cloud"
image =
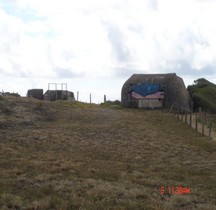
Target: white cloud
[{"x": 103, "y": 39}]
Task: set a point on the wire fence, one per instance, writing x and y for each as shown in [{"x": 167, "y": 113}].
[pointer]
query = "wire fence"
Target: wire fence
[{"x": 202, "y": 122}]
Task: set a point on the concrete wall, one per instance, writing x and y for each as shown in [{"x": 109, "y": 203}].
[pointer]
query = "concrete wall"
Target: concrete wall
[
  {"x": 35, "y": 93},
  {"x": 53, "y": 95},
  {"x": 175, "y": 92},
  {"x": 150, "y": 103}
]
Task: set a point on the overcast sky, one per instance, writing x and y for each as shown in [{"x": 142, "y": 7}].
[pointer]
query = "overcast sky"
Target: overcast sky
[{"x": 95, "y": 45}]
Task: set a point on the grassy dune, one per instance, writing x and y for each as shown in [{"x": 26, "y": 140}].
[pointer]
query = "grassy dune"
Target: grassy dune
[{"x": 62, "y": 155}]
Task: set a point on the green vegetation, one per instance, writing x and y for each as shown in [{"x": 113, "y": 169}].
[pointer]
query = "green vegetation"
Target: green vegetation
[
  {"x": 112, "y": 104},
  {"x": 11, "y": 94},
  {"x": 70, "y": 155},
  {"x": 203, "y": 94}
]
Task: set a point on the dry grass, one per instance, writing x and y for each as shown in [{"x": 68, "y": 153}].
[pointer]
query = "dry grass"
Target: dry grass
[{"x": 63, "y": 155}]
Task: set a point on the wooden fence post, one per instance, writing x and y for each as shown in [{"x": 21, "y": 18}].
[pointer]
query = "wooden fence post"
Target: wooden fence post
[
  {"x": 77, "y": 95},
  {"x": 175, "y": 112},
  {"x": 178, "y": 113},
  {"x": 186, "y": 117},
  {"x": 200, "y": 112},
  {"x": 196, "y": 122},
  {"x": 210, "y": 128},
  {"x": 190, "y": 118},
  {"x": 182, "y": 115},
  {"x": 205, "y": 118},
  {"x": 170, "y": 108},
  {"x": 203, "y": 123}
]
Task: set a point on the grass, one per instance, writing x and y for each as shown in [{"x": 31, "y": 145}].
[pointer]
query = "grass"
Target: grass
[{"x": 87, "y": 156}]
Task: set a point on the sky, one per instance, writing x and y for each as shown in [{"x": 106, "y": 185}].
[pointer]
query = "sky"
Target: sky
[{"x": 96, "y": 45}]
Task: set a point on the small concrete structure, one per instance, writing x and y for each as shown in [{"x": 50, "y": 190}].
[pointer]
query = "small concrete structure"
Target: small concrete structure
[
  {"x": 35, "y": 93},
  {"x": 53, "y": 95}
]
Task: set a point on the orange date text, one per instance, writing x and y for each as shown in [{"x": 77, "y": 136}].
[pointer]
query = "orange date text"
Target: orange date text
[{"x": 174, "y": 190}]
